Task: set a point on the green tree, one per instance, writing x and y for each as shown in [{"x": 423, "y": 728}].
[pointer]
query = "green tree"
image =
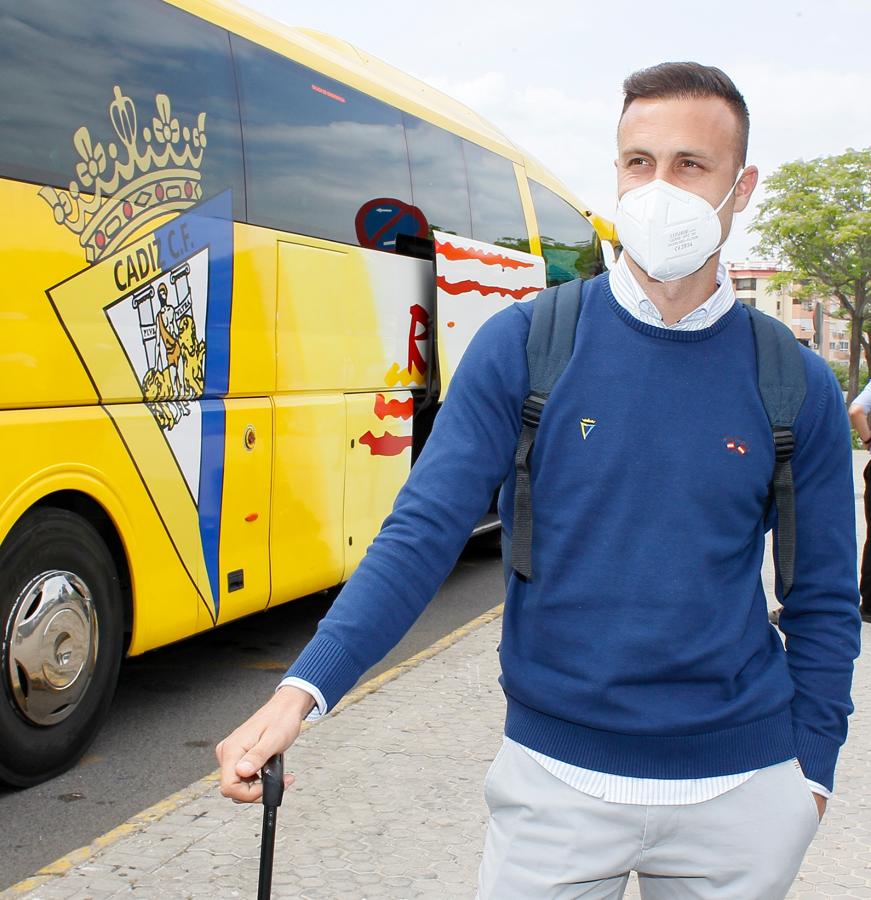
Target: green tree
[{"x": 816, "y": 217}]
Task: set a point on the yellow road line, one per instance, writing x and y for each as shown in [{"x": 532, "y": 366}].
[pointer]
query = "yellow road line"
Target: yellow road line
[
  {"x": 137, "y": 823},
  {"x": 155, "y": 813}
]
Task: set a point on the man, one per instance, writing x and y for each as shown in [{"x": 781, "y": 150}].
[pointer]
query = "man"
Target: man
[
  {"x": 860, "y": 409},
  {"x": 654, "y": 722}
]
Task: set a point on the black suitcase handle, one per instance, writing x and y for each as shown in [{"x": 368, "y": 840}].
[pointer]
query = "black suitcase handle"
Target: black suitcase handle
[{"x": 272, "y": 776}]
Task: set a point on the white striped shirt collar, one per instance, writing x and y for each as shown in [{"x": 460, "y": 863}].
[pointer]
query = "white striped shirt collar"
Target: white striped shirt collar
[{"x": 629, "y": 294}]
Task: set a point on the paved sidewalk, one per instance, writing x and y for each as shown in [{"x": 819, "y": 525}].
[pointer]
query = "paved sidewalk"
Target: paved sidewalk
[{"x": 388, "y": 804}]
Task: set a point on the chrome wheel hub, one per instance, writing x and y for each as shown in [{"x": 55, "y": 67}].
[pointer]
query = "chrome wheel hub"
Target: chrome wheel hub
[{"x": 51, "y": 647}]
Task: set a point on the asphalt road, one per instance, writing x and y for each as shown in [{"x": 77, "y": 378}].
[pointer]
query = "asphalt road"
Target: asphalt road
[{"x": 173, "y": 705}]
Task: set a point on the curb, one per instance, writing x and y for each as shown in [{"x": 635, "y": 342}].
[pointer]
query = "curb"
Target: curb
[{"x": 197, "y": 789}]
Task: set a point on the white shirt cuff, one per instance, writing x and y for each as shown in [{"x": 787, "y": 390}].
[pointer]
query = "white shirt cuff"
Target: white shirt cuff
[
  {"x": 817, "y": 788},
  {"x": 320, "y": 704}
]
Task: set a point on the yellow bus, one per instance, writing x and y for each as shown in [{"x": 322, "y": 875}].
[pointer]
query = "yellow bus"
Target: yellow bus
[{"x": 240, "y": 261}]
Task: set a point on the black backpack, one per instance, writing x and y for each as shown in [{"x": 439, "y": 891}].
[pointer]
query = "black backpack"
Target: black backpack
[{"x": 781, "y": 378}]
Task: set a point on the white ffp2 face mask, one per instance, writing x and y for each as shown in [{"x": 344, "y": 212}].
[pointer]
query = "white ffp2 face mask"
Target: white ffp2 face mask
[{"x": 668, "y": 231}]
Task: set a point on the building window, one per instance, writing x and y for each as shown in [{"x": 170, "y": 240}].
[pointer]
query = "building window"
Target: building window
[
  {"x": 745, "y": 284},
  {"x": 750, "y": 301},
  {"x": 778, "y": 307}
]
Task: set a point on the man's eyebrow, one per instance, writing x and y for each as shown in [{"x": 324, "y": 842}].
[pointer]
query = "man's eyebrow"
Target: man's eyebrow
[
  {"x": 679, "y": 154},
  {"x": 695, "y": 154},
  {"x": 635, "y": 151}
]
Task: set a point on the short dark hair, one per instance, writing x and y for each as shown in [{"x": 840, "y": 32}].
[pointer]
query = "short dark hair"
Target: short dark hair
[{"x": 689, "y": 79}]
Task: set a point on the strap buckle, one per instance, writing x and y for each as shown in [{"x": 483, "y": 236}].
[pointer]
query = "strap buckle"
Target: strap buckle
[
  {"x": 532, "y": 408},
  {"x": 784, "y": 443}
]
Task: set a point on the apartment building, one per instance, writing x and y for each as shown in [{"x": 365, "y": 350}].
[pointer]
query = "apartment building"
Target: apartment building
[{"x": 751, "y": 280}]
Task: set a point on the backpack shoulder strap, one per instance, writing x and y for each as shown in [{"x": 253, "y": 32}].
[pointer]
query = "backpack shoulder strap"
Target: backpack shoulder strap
[
  {"x": 551, "y": 338},
  {"x": 782, "y": 384},
  {"x": 555, "y": 313}
]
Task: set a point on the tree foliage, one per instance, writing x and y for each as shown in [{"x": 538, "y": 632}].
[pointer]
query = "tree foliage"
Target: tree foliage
[{"x": 816, "y": 218}]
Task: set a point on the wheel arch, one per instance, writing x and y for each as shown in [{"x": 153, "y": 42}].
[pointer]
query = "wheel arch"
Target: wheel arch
[{"x": 88, "y": 508}]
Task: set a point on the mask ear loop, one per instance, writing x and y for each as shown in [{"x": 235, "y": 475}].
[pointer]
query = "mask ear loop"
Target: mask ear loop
[
  {"x": 720, "y": 246},
  {"x": 741, "y": 172}
]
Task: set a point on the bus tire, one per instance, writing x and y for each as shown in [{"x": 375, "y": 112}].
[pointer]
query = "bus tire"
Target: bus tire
[{"x": 61, "y": 625}]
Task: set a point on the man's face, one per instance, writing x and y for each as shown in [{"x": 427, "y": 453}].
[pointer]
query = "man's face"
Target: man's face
[{"x": 691, "y": 143}]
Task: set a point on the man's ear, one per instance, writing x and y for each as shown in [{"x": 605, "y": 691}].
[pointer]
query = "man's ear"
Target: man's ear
[{"x": 745, "y": 187}]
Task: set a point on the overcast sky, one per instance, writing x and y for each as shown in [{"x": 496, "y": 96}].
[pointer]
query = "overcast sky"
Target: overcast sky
[{"x": 548, "y": 73}]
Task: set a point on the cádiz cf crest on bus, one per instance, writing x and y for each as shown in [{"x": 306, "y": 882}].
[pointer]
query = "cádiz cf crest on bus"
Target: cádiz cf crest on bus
[{"x": 150, "y": 315}]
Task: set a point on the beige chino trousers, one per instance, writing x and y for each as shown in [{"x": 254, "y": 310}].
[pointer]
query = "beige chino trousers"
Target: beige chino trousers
[{"x": 548, "y": 841}]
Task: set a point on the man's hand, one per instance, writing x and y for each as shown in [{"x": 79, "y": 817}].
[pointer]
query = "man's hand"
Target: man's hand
[
  {"x": 821, "y": 805},
  {"x": 272, "y": 729}
]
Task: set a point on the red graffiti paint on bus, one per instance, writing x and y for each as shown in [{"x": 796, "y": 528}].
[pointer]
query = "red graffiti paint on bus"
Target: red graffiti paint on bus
[
  {"x": 419, "y": 317},
  {"x": 394, "y": 409},
  {"x": 386, "y": 445},
  {"x": 391, "y": 444},
  {"x": 467, "y": 287},
  {"x": 449, "y": 251}
]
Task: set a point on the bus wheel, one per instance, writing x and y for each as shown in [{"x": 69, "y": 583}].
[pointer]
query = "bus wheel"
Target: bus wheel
[{"x": 62, "y": 629}]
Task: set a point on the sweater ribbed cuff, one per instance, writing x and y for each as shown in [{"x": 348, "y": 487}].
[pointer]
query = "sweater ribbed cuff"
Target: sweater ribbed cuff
[
  {"x": 817, "y": 755},
  {"x": 328, "y": 667}
]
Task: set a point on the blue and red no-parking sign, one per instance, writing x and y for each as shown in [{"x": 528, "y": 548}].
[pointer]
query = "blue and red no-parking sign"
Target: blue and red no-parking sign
[{"x": 379, "y": 221}]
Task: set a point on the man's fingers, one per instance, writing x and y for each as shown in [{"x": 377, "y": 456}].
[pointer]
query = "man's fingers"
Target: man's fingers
[
  {"x": 242, "y": 755},
  {"x": 271, "y": 730},
  {"x": 241, "y": 789},
  {"x": 253, "y": 761},
  {"x": 232, "y": 785},
  {"x": 250, "y": 790},
  {"x": 245, "y": 791}
]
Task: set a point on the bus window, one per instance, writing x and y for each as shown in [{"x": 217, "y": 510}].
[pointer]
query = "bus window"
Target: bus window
[
  {"x": 316, "y": 150},
  {"x": 497, "y": 214},
  {"x": 568, "y": 241},
  {"x": 58, "y": 71},
  {"x": 438, "y": 177}
]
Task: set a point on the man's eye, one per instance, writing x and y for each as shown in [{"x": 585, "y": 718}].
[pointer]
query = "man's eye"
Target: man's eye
[{"x": 636, "y": 161}]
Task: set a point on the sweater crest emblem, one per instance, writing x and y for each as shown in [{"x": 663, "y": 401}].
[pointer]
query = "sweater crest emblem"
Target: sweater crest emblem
[{"x": 587, "y": 425}]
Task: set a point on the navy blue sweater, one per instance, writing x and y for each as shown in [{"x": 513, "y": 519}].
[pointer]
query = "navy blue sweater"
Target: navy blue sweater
[{"x": 642, "y": 646}]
